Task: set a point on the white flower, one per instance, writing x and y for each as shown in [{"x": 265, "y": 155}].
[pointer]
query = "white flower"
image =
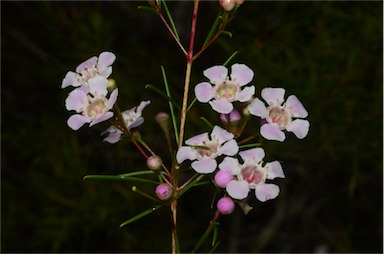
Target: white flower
[
  {"x": 279, "y": 115},
  {"x": 226, "y": 89},
  {"x": 203, "y": 149},
  {"x": 252, "y": 175},
  {"x": 94, "y": 107},
  {"x": 132, "y": 118}
]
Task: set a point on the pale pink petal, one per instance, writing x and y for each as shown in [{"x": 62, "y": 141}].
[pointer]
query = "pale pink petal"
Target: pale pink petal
[
  {"x": 106, "y": 59},
  {"x": 274, "y": 170},
  {"x": 273, "y": 95},
  {"x": 204, "y": 166},
  {"x": 102, "y": 118},
  {"x": 266, "y": 192},
  {"x": 98, "y": 86},
  {"x": 70, "y": 79},
  {"x": 106, "y": 72},
  {"x": 299, "y": 127},
  {"x": 253, "y": 155},
  {"x": 272, "y": 132},
  {"x": 221, "y": 106},
  {"x": 113, "y": 136},
  {"x": 246, "y": 94},
  {"x": 204, "y": 92},
  {"x": 139, "y": 121},
  {"x": 216, "y": 74},
  {"x": 296, "y": 107},
  {"x": 221, "y": 134},
  {"x": 241, "y": 74},
  {"x": 230, "y": 164},
  {"x": 238, "y": 189},
  {"x": 76, "y": 100},
  {"x": 112, "y": 99},
  {"x": 185, "y": 153},
  {"x": 257, "y": 108},
  {"x": 76, "y": 121},
  {"x": 198, "y": 139},
  {"x": 230, "y": 148},
  {"x": 141, "y": 107},
  {"x": 86, "y": 64}
]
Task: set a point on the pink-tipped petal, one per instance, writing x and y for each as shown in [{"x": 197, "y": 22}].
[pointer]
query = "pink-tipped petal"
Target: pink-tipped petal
[
  {"x": 86, "y": 64},
  {"x": 185, "y": 153},
  {"x": 221, "y": 106},
  {"x": 102, "y": 118},
  {"x": 221, "y": 134},
  {"x": 272, "y": 132},
  {"x": 266, "y": 192},
  {"x": 230, "y": 164},
  {"x": 113, "y": 98},
  {"x": 296, "y": 107},
  {"x": 98, "y": 86},
  {"x": 238, "y": 189},
  {"x": 257, "y": 108},
  {"x": 241, "y": 74},
  {"x": 204, "y": 92},
  {"x": 253, "y": 155},
  {"x": 70, "y": 79},
  {"x": 106, "y": 59},
  {"x": 273, "y": 95},
  {"x": 204, "y": 166},
  {"x": 246, "y": 94},
  {"x": 216, "y": 74},
  {"x": 230, "y": 148},
  {"x": 76, "y": 100},
  {"x": 299, "y": 127},
  {"x": 76, "y": 121},
  {"x": 198, "y": 139},
  {"x": 274, "y": 170}
]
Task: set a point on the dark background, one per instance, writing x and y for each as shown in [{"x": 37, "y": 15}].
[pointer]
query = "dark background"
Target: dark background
[{"x": 327, "y": 53}]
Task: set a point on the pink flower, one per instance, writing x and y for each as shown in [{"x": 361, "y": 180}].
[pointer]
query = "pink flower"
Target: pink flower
[
  {"x": 94, "y": 107},
  {"x": 223, "y": 89},
  {"x": 203, "y": 149},
  {"x": 132, "y": 118},
  {"x": 94, "y": 66},
  {"x": 252, "y": 175},
  {"x": 279, "y": 115}
]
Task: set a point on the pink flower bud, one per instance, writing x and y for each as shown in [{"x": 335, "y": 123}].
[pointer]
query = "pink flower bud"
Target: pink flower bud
[
  {"x": 225, "y": 205},
  {"x": 154, "y": 162},
  {"x": 227, "y": 4},
  {"x": 163, "y": 119},
  {"x": 233, "y": 117},
  {"x": 164, "y": 191},
  {"x": 222, "y": 178}
]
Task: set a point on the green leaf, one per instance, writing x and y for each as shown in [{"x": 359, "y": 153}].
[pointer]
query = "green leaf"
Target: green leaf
[
  {"x": 231, "y": 57},
  {"x": 146, "y": 8},
  {"x": 170, "y": 19},
  {"x": 213, "y": 30},
  {"x": 169, "y": 99},
  {"x": 214, "y": 247},
  {"x": 250, "y": 145},
  {"x": 227, "y": 33},
  {"x": 186, "y": 188},
  {"x": 207, "y": 122},
  {"x": 204, "y": 237},
  {"x": 124, "y": 177},
  {"x": 192, "y": 103},
  {"x": 140, "y": 215}
]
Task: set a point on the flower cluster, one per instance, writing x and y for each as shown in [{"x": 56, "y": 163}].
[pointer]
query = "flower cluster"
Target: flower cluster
[{"x": 239, "y": 172}]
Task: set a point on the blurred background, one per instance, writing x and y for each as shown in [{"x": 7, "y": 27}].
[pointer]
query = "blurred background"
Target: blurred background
[{"x": 327, "y": 53}]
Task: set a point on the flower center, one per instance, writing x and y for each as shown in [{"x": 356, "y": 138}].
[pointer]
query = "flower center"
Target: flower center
[
  {"x": 89, "y": 73},
  {"x": 227, "y": 90},
  {"x": 252, "y": 174},
  {"x": 96, "y": 108},
  {"x": 280, "y": 116},
  {"x": 208, "y": 151}
]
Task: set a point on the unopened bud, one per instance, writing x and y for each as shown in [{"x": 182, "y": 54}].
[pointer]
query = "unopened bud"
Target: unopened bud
[
  {"x": 154, "y": 162},
  {"x": 222, "y": 178},
  {"x": 164, "y": 191},
  {"x": 111, "y": 85},
  {"x": 232, "y": 118},
  {"x": 225, "y": 205},
  {"x": 227, "y": 4}
]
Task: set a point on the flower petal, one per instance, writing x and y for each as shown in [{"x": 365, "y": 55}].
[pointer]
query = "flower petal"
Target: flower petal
[
  {"x": 299, "y": 127},
  {"x": 253, "y": 155},
  {"x": 241, "y": 74},
  {"x": 230, "y": 148},
  {"x": 246, "y": 94},
  {"x": 272, "y": 132},
  {"x": 102, "y": 118},
  {"x": 221, "y": 106},
  {"x": 141, "y": 107},
  {"x": 274, "y": 170},
  {"x": 139, "y": 121},
  {"x": 106, "y": 72},
  {"x": 113, "y": 98},
  {"x": 204, "y": 166},
  {"x": 98, "y": 86},
  {"x": 296, "y": 107},
  {"x": 221, "y": 134},
  {"x": 216, "y": 74},
  {"x": 86, "y": 64},
  {"x": 76, "y": 121},
  {"x": 185, "y": 153},
  {"x": 266, "y": 192},
  {"x": 258, "y": 108},
  {"x": 238, "y": 189},
  {"x": 76, "y": 100},
  {"x": 70, "y": 79},
  {"x": 273, "y": 95},
  {"x": 113, "y": 136},
  {"x": 198, "y": 139},
  {"x": 204, "y": 92},
  {"x": 230, "y": 164},
  {"x": 106, "y": 59}
]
